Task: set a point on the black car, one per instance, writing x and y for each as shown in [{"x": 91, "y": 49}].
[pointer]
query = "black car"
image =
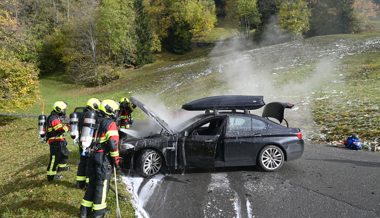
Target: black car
[{"x": 226, "y": 134}]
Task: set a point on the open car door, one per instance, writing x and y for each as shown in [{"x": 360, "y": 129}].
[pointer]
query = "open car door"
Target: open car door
[{"x": 202, "y": 141}]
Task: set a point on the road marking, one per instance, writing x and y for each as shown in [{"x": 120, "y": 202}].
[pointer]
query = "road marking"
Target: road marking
[
  {"x": 237, "y": 205},
  {"x": 249, "y": 209},
  {"x": 221, "y": 200}
]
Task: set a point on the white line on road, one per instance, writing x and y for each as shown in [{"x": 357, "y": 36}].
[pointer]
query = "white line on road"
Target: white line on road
[
  {"x": 222, "y": 200},
  {"x": 249, "y": 209},
  {"x": 237, "y": 205}
]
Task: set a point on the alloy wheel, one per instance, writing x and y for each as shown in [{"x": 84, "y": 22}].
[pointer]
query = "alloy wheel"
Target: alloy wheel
[
  {"x": 272, "y": 158},
  {"x": 152, "y": 164}
]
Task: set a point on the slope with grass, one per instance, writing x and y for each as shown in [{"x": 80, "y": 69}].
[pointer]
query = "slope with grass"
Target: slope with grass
[{"x": 337, "y": 108}]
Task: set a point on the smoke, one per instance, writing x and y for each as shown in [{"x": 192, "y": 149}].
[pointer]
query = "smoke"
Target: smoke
[
  {"x": 300, "y": 72},
  {"x": 286, "y": 72},
  {"x": 270, "y": 71},
  {"x": 273, "y": 33},
  {"x": 173, "y": 117},
  {"x": 257, "y": 73}
]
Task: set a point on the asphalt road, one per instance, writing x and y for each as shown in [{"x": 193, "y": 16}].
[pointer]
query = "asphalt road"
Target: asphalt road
[{"x": 325, "y": 182}]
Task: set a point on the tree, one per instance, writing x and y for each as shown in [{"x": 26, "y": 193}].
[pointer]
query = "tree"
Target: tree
[
  {"x": 196, "y": 16},
  {"x": 80, "y": 46},
  {"x": 245, "y": 14},
  {"x": 332, "y": 17},
  {"x": 115, "y": 26},
  {"x": 144, "y": 53},
  {"x": 179, "y": 38},
  {"x": 364, "y": 11},
  {"x": 294, "y": 16},
  {"x": 51, "y": 53},
  {"x": 18, "y": 82},
  {"x": 200, "y": 15},
  {"x": 18, "y": 78}
]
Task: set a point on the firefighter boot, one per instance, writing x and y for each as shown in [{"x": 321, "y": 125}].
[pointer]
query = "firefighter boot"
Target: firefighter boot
[
  {"x": 54, "y": 178},
  {"x": 84, "y": 212},
  {"x": 65, "y": 168},
  {"x": 81, "y": 185}
]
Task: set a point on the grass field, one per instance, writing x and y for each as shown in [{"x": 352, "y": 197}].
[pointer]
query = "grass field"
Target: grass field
[
  {"x": 24, "y": 191},
  {"x": 356, "y": 108}
]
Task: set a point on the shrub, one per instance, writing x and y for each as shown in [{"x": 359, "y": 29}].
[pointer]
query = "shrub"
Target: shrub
[{"x": 18, "y": 82}]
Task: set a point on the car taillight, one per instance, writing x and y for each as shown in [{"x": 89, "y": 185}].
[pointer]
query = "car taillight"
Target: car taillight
[{"x": 299, "y": 135}]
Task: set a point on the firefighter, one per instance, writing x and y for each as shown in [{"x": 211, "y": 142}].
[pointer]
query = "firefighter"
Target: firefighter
[
  {"x": 126, "y": 109},
  {"x": 58, "y": 145},
  {"x": 91, "y": 105},
  {"x": 103, "y": 156}
]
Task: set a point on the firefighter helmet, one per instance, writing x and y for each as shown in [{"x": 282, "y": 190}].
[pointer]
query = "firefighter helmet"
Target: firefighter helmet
[
  {"x": 109, "y": 107},
  {"x": 126, "y": 104},
  {"x": 124, "y": 100},
  {"x": 60, "y": 107},
  {"x": 93, "y": 103}
]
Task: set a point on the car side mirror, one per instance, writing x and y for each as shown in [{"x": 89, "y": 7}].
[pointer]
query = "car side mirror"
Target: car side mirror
[{"x": 186, "y": 134}]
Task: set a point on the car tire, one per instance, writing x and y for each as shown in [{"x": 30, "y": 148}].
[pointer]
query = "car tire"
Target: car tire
[
  {"x": 149, "y": 163},
  {"x": 271, "y": 158}
]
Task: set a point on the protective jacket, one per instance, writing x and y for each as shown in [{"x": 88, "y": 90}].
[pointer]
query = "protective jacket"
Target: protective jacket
[
  {"x": 125, "y": 120},
  {"x": 58, "y": 145},
  {"x": 55, "y": 128},
  {"x": 104, "y": 154}
]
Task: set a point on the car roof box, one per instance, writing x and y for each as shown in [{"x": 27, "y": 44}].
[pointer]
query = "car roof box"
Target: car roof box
[{"x": 225, "y": 102}]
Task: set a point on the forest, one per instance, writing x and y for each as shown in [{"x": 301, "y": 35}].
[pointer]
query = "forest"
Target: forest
[{"x": 91, "y": 42}]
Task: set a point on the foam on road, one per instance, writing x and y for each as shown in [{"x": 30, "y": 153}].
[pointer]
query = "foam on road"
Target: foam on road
[{"x": 141, "y": 190}]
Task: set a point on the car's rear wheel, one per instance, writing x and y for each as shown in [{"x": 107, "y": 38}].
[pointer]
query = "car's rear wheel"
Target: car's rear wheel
[
  {"x": 271, "y": 158},
  {"x": 149, "y": 163}
]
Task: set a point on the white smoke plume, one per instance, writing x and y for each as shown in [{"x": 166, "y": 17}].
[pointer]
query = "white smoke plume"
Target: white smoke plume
[{"x": 173, "y": 117}]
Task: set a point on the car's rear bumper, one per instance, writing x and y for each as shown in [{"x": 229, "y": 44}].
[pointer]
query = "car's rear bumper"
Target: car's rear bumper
[{"x": 295, "y": 150}]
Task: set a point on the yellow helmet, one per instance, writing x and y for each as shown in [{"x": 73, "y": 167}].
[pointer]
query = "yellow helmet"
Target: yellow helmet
[
  {"x": 124, "y": 100},
  {"x": 126, "y": 104},
  {"x": 93, "y": 103},
  {"x": 109, "y": 107},
  {"x": 60, "y": 107}
]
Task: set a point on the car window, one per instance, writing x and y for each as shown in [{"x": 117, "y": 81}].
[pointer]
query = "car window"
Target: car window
[
  {"x": 239, "y": 123},
  {"x": 258, "y": 125},
  {"x": 210, "y": 127}
]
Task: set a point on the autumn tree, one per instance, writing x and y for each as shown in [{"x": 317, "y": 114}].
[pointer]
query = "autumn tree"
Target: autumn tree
[
  {"x": 245, "y": 14},
  {"x": 364, "y": 11},
  {"x": 294, "y": 16},
  {"x": 18, "y": 77},
  {"x": 179, "y": 21}
]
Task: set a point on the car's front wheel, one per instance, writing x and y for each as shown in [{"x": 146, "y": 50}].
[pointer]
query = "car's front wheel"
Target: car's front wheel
[
  {"x": 149, "y": 163},
  {"x": 271, "y": 158}
]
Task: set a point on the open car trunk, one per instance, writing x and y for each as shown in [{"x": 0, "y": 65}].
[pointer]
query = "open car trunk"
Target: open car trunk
[{"x": 276, "y": 110}]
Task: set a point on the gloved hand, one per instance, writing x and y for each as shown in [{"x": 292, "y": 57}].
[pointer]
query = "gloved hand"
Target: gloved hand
[
  {"x": 116, "y": 161},
  {"x": 130, "y": 121}
]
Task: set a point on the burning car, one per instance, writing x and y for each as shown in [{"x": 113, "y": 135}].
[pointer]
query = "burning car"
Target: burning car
[{"x": 225, "y": 135}]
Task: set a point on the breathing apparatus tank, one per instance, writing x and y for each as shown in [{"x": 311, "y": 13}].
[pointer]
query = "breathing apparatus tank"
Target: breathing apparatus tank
[
  {"x": 88, "y": 129},
  {"x": 42, "y": 126},
  {"x": 74, "y": 133}
]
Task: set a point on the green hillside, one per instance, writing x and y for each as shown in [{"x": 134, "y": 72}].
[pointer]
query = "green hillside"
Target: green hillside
[{"x": 174, "y": 80}]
